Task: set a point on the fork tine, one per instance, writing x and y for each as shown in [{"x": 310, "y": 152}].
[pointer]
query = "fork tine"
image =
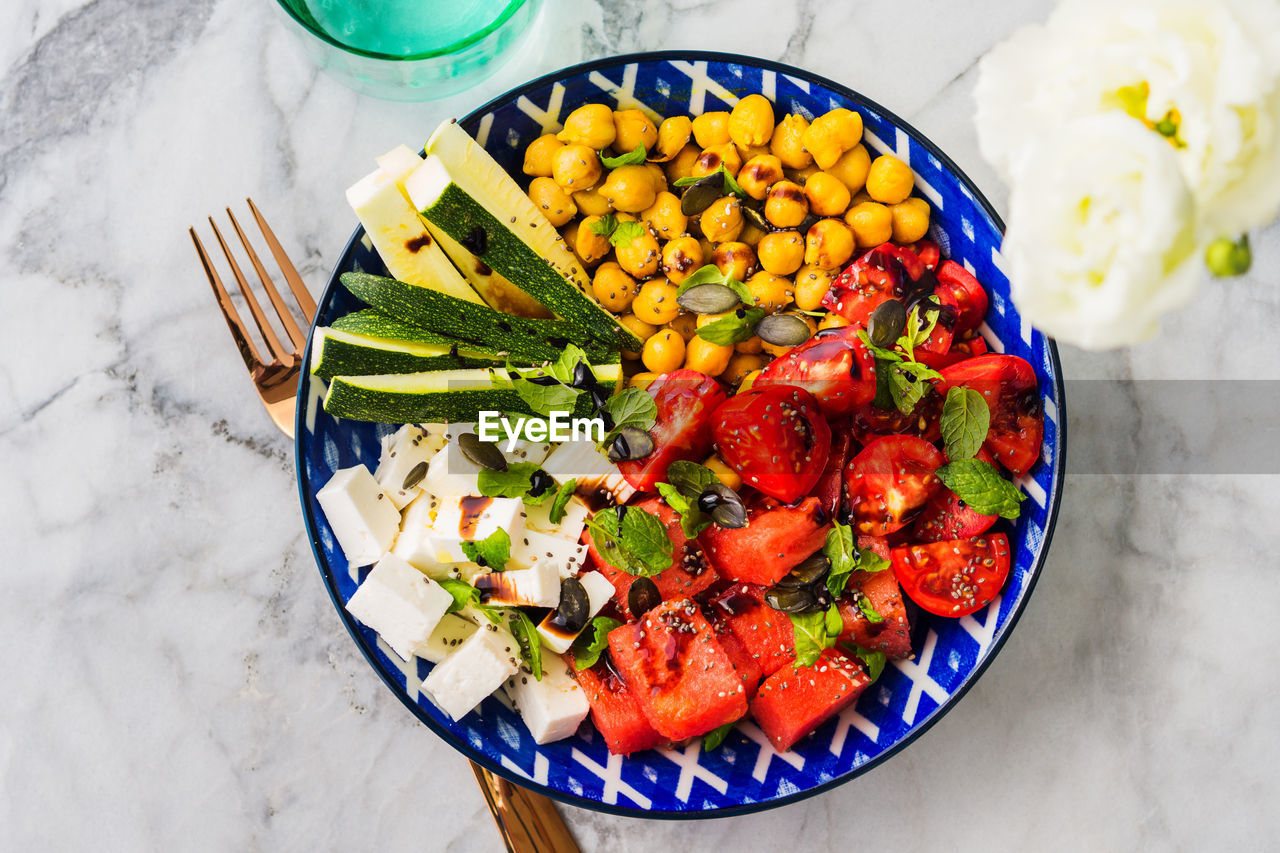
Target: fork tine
[
  {"x": 278, "y": 352},
  {"x": 282, "y": 310},
  {"x": 300, "y": 292},
  {"x": 249, "y": 352}
]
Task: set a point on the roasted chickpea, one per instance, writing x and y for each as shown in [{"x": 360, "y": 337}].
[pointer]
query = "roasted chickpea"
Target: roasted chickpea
[
  {"x": 708, "y": 319},
  {"x": 734, "y": 259},
  {"x": 740, "y": 364},
  {"x": 576, "y": 167},
  {"x": 591, "y": 203},
  {"x": 751, "y": 235},
  {"x": 711, "y": 129},
  {"x": 673, "y": 135},
  {"x": 705, "y": 357},
  {"x": 664, "y": 216},
  {"x": 681, "y": 166},
  {"x": 772, "y": 292},
  {"x": 832, "y": 321},
  {"x": 801, "y": 176},
  {"x": 747, "y": 152},
  {"x": 632, "y": 128},
  {"x": 588, "y": 245},
  {"x": 659, "y": 177},
  {"x": 613, "y": 288},
  {"x": 663, "y": 352},
  {"x": 642, "y": 380},
  {"x": 758, "y": 174},
  {"x": 780, "y": 349},
  {"x": 711, "y": 159},
  {"x": 722, "y": 221},
  {"x": 685, "y": 325},
  {"x": 637, "y": 327},
  {"x": 723, "y": 472},
  {"x": 831, "y": 135},
  {"x": 781, "y": 252},
  {"x": 629, "y": 188},
  {"x": 812, "y": 283},
  {"x": 827, "y": 195},
  {"x": 656, "y": 302},
  {"x": 590, "y": 125},
  {"x": 751, "y": 346},
  {"x": 551, "y": 199},
  {"x": 852, "y": 167},
  {"x": 680, "y": 257},
  {"x": 788, "y": 142},
  {"x": 751, "y": 122},
  {"x": 871, "y": 222},
  {"x": 640, "y": 257},
  {"x": 890, "y": 180},
  {"x": 786, "y": 205},
  {"x": 539, "y": 155},
  {"x": 829, "y": 244},
  {"x": 910, "y": 220}
]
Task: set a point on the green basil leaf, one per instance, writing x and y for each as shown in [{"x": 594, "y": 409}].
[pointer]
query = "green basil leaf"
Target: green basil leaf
[
  {"x": 834, "y": 622},
  {"x": 691, "y": 478},
  {"x": 965, "y": 421},
  {"x": 843, "y": 554},
  {"x": 463, "y": 593},
  {"x": 735, "y": 328},
  {"x": 638, "y": 544},
  {"x": 563, "y": 367},
  {"x": 605, "y": 225},
  {"x": 526, "y": 634},
  {"x": 918, "y": 329},
  {"x": 587, "y": 649},
  {"x": 563, "y": 494},
  {"x": 625, "y": 233},
  {"x": 543, "y": 399},
  {"x": 515, "y": 482},
  {"x": 493, "y": 551},
  {"x": 813, "y": 634},
  {"x": 692, "y": 520},
  {"x": 731, "y": 185},
  {"x": 634, "y": 157},
  {"x": 869, "y": 610},
  {"x": 687, "y": 181},
  {"x": 712, "y": 739},
  {"x": 874, "y": 660},
  {"x": 980, "y": 485}
]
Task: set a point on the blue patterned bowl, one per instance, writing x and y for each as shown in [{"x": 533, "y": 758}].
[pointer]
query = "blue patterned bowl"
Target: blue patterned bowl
[{"x": 745, "y": 774}]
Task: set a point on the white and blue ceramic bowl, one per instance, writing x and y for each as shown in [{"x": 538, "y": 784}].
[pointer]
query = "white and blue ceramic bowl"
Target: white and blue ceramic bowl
[{"x": 745, "y": 774}]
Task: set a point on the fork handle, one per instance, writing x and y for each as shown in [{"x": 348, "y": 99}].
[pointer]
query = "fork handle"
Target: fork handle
[{"x": 529, "y": 822}]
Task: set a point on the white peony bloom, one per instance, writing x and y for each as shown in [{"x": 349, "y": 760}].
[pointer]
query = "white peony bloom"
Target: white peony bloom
[
  {"x": 1101, "y": 242},
  {"x": 1216, "y": 63}
]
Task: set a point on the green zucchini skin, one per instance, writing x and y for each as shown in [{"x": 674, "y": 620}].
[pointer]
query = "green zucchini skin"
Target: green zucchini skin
[
  {"x": 337, "y": 357},
  {"x": 374, "y": 324},
  {"x": 459, "y": 215}
]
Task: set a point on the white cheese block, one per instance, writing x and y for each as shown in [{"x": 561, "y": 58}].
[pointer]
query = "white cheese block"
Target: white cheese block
[
  {"x": 450, "y": 472},
  {"x": 413, "y": 546},
  {"x": 538, "y": 586},
  {"x": 533, "y": 548},
  {"x": 525, "y": 450},
  {"x": 480, "y": 665},
  {"x": 570, "y": 527},
  {"x": 401, "y": 604},
  {"x": 361, "y": 514},
  {"x": 469, "y": 571},
  {"x": 552, "y": 708},
  {"x": 599, "y": 591},
  {"x": 458, "y": 521},
  {"x": 402, "y": 453},
  {"x": 452, "y": 631},
  {"x": 583, "y": 461}
]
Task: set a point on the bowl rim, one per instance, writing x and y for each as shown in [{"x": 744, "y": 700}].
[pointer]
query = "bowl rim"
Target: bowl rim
[{"x": 1051, "y": 509}]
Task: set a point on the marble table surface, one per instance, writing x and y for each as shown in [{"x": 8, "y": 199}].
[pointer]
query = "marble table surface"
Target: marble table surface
[{"x": 175, "y": 676}]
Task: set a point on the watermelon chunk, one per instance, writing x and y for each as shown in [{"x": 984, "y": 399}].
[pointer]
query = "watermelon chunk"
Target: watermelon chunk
[
  {"x": 891, "y": 636},
  {"x": 615, "y": 711},
  {"x": 681, "y": 677},
  {"x": 794, "y": 701},
  {"x": 764, "y": 634},
  {"x": 744, "y": 660},
  {"x": 688, "y": 574},
  {"x": 776, "y": 539}
]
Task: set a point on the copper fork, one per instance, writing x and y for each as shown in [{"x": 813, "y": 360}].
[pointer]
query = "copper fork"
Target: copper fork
[{"x": 529, "y": 822}]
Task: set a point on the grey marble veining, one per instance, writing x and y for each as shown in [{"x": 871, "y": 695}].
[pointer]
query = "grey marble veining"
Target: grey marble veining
[{"x": 175, "y": 677}]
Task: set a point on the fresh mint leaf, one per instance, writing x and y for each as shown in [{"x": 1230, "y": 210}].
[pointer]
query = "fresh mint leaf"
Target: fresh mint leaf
[
  {"x": 515, "y": 482},
  {"x": 691, "y": 478},
  {"x": 731, "y": 185},
  {"x": 604, "y": 226},
  {"x": 625, "y": 233},
  {"x": 634, "y": 157},
  {"x": 692, "y": 520},
  {"x": 630, "y": 407},
  {"x": 846, "y": 558},
  {"x": 980, "y": 485},
  {"x": 587, "y": 649},
  {"x": 463, "y": 593},
  {"x": 526, "y": 634},
  {"x": 918, "y": 329},
  {"x": 493, "y": 551},
  {"x": 561, "y": 501},
  {"x": 732, "y": 329},
  {"x": 637, "y": 543},
  {"x": 813, "y": 633},
  {"x": 874, "y": 660},
  {"x": 965, "y": 421},
  {"x": 869, "y": 610},
  {"x": 711, "y": 274},
  {"x": 543, "y": 399},
  {"x": 563, "y": 367},
  {"x": 712, "y": 739}
]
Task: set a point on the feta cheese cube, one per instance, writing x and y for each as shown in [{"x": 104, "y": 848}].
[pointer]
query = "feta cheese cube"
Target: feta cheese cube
[
  {"x": 583, "y": 461},
  {"x": 525, "y": 450},
  {"x": 538, "y": 586},
  {"x": 552, "y": 708},
  {"x": 452, "y": 631},
  {"x": 402, "y": 452},
  {"x": 480, "y": 665},
  {"x": 599, "y": 591},
  {"x": 533, "y": 548},
  {"x": 450, "y": 472},
  {"x": 469, "y": 519},
  {"x": 413, "y": 545},
  {"x": 363, "y": 517},
  {"x": 570, "y": 527},
  {"x": 399, "y": 602}
]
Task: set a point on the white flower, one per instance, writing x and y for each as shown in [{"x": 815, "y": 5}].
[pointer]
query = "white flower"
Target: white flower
[
  {"x": 1215, "y": 63},
  {"x": 1101, "y": 241}
]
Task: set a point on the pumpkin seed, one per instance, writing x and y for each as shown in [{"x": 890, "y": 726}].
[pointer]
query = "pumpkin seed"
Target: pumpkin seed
[
  {"x": 789, "y": 600},
  {"x": 630, "y": 443},
  {"x": 724, "y": 505},
  {"x": 756, "y": 218},
  {"x": 483, "y": 453},
  {"x": 709, "y": 298},
  {"x": 642, "y": 597},
  {"x": 701, "y": 194},
  {"x": 783, "y": 330},
  {"x": 575, "y": 605},
  {"x": 414, "y": 477},
  {"x": 886, "y": 323},
  {"x": 812, "y": 569}
]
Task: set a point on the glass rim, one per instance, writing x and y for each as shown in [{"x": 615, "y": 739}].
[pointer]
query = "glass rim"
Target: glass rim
[{"x": 510, "y": 9}]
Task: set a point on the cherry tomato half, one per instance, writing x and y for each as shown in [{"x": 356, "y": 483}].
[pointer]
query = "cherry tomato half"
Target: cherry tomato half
[
  {"x": 886, "y": 272},
  {"x": 954, "y": 577},
  {"x": 686, "y": 399},
  {"x": 834, "y": 366},
  {"x": 1008, "y": 384},
  {"x": 775, "y": 437},
  {"x": 890, "y": 481},
  {"x": 958, "y": 288}
]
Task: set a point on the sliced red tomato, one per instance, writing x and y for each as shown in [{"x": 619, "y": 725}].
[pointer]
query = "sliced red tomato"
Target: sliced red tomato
[
  {"x": 834, "y": 366},
  {"x": 775, "y": 437},
  {"x": 959, "y": 351},
  {"x": 923, "y": 421},
  {"x": 830, "y": 488},
  {"x": 686, "y": 400},
  {"x": 929, "y": 252},
  {"x": 954, "y": 577},
  {"x": 890, "y": 481},
  {"x": 958, "y": 288},
  {"x": 886, "y": 272},
  {"x": 1008, "y": 384},
  {"x": 948, "y": 517}
]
